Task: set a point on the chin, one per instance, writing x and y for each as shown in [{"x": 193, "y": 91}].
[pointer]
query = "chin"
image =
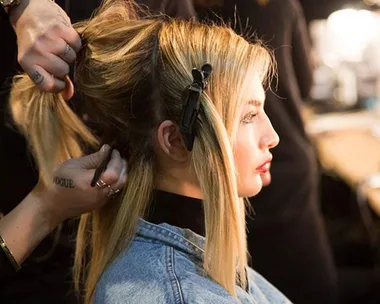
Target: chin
[
  {"x": 251, "y": 188},
  {"x": 266, "y": 178}
]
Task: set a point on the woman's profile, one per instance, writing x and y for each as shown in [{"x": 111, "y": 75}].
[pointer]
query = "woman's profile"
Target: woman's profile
[{"x": 183, "y": 103}]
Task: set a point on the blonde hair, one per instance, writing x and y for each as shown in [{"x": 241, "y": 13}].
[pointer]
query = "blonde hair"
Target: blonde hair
[{"x": 133, "y": 72}]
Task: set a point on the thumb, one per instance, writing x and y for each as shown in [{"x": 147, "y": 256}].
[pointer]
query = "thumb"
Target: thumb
[{"x": 93, "y": 160}]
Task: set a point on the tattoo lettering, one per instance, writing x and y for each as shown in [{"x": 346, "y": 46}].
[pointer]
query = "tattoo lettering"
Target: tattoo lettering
[
  {"x": 63, "y": 182},
  {"x": 59, "y": 14},
  {"x": 63, "y": 20},
  {"x": 37, "y": 77}
]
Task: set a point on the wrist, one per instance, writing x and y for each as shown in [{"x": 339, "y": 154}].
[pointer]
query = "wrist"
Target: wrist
[
  {"x": 27, "y": 225},
  {"x": 50, "y": 219},
  {"x": 16, "y": 11}
]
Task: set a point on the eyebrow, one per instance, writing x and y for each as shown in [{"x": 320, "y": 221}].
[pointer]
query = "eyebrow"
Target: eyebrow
[{"x": 255, "y": 103}]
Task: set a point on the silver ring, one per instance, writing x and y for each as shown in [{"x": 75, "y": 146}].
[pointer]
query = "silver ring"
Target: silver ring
[
  {"x": 67, "y": 49},
  {"x": 112, "y": 192},
  {"x": 101, "y": 184}
]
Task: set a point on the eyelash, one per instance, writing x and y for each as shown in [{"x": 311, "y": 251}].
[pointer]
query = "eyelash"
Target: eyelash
[{"x": 249, "y": 117}]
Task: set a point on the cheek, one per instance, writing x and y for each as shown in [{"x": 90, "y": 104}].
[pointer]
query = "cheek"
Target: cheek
[
  {"x": 246, "y": 147},
  {"x": 246, "y": 153}
]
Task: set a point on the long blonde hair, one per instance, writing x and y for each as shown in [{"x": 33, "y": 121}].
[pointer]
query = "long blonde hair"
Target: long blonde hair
[{"x": 133, "y": 72}]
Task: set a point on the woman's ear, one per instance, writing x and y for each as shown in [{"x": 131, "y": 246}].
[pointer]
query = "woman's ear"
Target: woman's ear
[{"x": 169, "y": 139}]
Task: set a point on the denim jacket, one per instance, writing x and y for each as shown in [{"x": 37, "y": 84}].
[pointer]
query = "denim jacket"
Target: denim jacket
[{"x": 164, "y": 265}]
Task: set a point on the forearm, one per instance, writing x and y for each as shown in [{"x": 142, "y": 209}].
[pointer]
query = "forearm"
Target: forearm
[{"x": 26, "y": 226}]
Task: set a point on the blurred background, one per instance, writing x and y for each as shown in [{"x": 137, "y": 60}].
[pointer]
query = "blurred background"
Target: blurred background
[{"x": 343, "y": 118}]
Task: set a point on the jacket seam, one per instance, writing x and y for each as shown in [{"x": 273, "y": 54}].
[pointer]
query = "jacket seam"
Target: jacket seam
[
  {"x": 178, "y": 238},
  {"x": 175, "y": 284},
  {"x": 165, "y": 232}
]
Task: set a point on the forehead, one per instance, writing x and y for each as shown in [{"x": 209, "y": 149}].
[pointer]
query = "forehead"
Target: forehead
[{"x": 254, "y": 90}]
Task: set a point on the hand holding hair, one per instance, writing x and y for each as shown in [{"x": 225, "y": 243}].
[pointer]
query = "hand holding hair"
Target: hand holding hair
[
  {"x": 70, "y": 195},
  {"x": 47, "y": 44}
]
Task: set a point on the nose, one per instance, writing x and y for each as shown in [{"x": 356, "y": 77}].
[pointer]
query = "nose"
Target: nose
[{"x": 270, "y": 138}]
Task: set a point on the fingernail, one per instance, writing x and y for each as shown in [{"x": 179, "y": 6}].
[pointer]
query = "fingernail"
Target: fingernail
[
  {"x": 105, "y": 148},
  {"x": 125, "y": 163},
  {"x": 123, "y": 171}
]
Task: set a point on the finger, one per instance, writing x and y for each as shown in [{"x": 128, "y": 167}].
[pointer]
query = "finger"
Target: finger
[
  {"x": 93, "y": 160},
  {"x": 114, "y": 167},
  {"x": 72, "y": 38},
  {"x": 45, "y": 81},
  {"x": 55, "y": 45},
  {"x": 120, "y": 183},
  {"x": 67, "y": 53},
  {"x": 54, "y": 65}
]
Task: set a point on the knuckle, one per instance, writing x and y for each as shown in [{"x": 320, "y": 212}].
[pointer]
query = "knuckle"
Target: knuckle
[
  {"x": 58, "y": 27},
  {"x": 48, "y": 85},
  {"x": 41, "y": 40},
  {"x": 110, "y": 176},
  {"x": 36, "y": 47}
]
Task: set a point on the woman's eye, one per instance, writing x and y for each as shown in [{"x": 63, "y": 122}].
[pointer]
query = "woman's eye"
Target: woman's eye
[{"x": 248, "y": 118}]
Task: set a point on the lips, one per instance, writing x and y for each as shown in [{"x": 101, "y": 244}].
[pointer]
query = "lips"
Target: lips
[{"x": 264, "y": 168}]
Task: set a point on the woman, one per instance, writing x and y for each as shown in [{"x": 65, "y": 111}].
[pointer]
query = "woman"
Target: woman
[
  {"x": 288, "y": 214},
  {"x": 195, "y": 142}
]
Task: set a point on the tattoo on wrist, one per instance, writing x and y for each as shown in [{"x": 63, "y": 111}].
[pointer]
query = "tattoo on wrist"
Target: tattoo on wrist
[
  {"x": 37, "y": 77},
  {"x": 63, "y": 182}
]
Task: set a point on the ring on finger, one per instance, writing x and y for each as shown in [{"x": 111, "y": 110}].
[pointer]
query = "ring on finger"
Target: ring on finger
[
  {"x": 101, "y": 184},
  {"x": 112, "y": 193},
  {"x": 67, "y": 49}
]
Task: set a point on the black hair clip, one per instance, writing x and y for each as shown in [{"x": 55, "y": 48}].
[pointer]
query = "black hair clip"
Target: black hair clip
[{"x": 191, "y": 110}]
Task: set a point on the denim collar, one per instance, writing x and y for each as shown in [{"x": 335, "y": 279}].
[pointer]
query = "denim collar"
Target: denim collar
[{"x": 182, "y": 239}]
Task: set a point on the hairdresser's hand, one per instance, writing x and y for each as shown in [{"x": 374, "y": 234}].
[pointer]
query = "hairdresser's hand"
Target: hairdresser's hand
[
  {"x": 47, "y": 43},
  {"x": 71, "y": 194}
]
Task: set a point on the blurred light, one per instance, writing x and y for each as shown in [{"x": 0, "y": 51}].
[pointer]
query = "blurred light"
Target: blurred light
[{"x": 350, "y": 33}]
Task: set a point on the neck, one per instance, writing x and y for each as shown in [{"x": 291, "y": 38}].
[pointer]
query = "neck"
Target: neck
[{"x": 178, "y": 186}]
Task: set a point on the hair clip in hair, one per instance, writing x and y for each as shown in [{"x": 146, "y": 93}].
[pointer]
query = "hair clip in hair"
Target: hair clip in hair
[
  {"x": 191, "y": 110},
  {"x": 201, "y": 76}
]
